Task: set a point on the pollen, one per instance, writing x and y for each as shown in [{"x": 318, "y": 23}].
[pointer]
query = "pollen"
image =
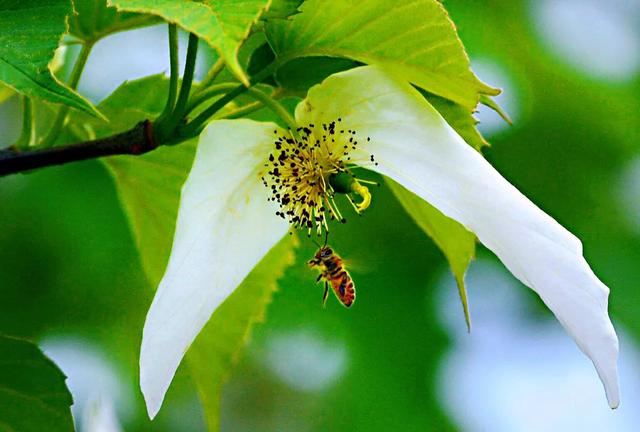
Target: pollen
[{"x": 305, "y": 174}]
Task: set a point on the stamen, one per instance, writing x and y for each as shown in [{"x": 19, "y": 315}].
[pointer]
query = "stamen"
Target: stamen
[
  {"x": 305, "y": 174},
  {"x": 364, "y": 193},
  {"x": 374, "y": 183},
  {"x": 335, "y": 207},
  {"x": 355, "y": 207}
]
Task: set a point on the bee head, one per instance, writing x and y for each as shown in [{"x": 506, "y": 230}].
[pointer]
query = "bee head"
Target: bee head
[{"x": 324, "y": 252}]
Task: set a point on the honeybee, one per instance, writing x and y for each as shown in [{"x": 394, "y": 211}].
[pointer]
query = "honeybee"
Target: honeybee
[{"x": 333, "y": 272}]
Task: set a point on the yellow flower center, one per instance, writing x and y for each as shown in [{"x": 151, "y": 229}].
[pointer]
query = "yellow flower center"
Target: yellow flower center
[{"x": 305, "y": 175}]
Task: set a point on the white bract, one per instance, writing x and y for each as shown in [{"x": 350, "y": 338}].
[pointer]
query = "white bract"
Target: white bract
[{"x": 226, "y": 223}]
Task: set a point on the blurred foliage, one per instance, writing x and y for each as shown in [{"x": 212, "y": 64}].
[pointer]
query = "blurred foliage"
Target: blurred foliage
[
  {"x": 31, "y": 383},
  {"x": 454, "y": 240},
  {"x": 70, "y": 266},
  {"x": 220, "y": 344}
]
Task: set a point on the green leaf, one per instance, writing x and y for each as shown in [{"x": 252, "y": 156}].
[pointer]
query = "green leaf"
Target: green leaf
[
  {"x": 259, "y": 59},
  {"x": 159, "y": 174},
  {"x": 414, "y": 39},
  {"x": 217, "y": 347},
  {"x": 93, "y": 20},
  {"x": 148, "y": 94},
  {"x": 455, "y": 241},
  {"x": 148, "y": 186},
  {"x": 298, "y": 75},
  {"x": 30, "y": 33},
  {"x": 281, "y": 9},
  {"x": 33, "y": 394},
  {"x": 486, "y": 100},
  {"x": 222, "y": 24},
  {"x": 458, "y": 118},
  {"x": 5, "y": 92},
  {"x": 149, "y": 189}
]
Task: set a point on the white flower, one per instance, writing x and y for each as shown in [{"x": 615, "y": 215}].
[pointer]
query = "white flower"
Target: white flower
[{"x": 226, "y": 223}]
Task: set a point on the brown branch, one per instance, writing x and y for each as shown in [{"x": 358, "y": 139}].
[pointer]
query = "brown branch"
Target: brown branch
[{"x": 135, "y": 141}]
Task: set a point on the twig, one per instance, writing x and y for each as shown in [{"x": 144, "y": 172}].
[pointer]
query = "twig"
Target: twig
[{"x": 135, "y": 141}]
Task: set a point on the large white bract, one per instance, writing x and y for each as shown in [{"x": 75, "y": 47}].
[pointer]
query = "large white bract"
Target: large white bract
[{"x": 226, "y": 224}]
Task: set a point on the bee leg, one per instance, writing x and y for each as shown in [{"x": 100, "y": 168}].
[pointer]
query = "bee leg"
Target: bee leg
[
  {"x": 318, "y": 278},
  {"x": 325, "y": 295}
]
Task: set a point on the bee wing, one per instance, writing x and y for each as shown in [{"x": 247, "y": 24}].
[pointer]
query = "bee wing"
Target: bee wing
[{"x": 357, "y": 265}]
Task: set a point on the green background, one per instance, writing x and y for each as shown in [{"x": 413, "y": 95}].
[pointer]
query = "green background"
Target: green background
[{"x": 71, "y": 277}]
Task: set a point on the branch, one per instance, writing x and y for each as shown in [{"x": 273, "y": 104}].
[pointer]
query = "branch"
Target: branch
[
  {"x": 135, "y": 141},
  {"x": 140, "y": 139}
]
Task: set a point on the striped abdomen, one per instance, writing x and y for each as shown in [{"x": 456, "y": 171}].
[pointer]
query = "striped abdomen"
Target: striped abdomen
[{"x": 340, "y": 280}]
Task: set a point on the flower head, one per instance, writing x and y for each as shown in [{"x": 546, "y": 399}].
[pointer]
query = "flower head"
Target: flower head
[
  {"x": 226, "y": 224},
  {"x": 306, "y": 172}
]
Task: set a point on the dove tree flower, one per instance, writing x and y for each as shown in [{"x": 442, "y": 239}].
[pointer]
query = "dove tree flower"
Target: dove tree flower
[{"x": 364, "y": 117}]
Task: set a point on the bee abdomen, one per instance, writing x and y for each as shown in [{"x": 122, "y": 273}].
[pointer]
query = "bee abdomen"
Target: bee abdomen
[
  {"x": 344, "y": 288},
  {"x": 349, "y": 293}
]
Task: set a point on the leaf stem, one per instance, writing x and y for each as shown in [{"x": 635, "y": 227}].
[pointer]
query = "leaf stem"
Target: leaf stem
[
  {"x": 187, "y": 78},
  {"x": 208, "y": 93},
  {"x": 175, "y": 70},
  {"x": 26, "y": 135},
  {"x": 265, "y": 99},
  {"x": 277, "y": 108},
  {"x": 244, "y": 110},
  {"x": 76, "y": 73},
  {"x": 194, "y": 127},
  {"x": 166, "y": 126}
]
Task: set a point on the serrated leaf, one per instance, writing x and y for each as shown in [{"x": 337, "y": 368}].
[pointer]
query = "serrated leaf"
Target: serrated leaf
[
  {"x": 33, "y": 394},
  {"x": 456, "y": 243},
  {"x": 218, "y": 345},
  {"x": 458, "y": 118},
  {"x": 222, "y": 24},
  {"x": 31, "y": 30},
  {"x": 93, "y": 20},
  {"x": 486, "y": 100},
  {"x": 149, "y": 189},
  {"x": 414, "y": 39}
]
